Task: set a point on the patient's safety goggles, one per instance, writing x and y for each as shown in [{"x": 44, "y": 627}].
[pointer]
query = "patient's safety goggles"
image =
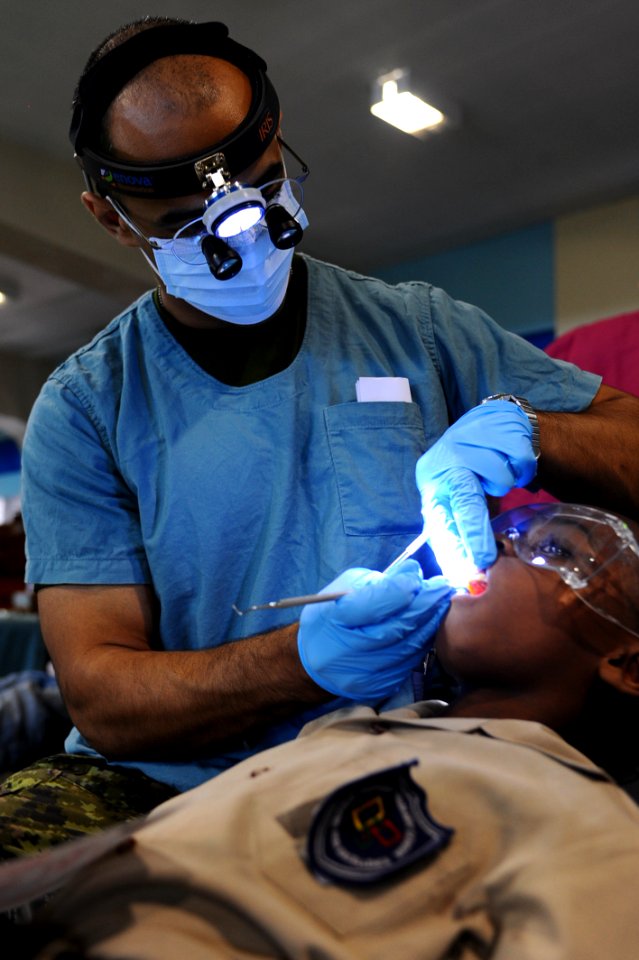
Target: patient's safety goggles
[{"x": 595, "y": 553}]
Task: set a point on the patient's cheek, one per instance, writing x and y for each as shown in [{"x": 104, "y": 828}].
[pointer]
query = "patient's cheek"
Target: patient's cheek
[
  {"x": 461, "y": 635},
  {"x": 479, "y": 625}
]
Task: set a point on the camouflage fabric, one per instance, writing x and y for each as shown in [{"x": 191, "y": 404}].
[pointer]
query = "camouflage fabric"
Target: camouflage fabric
[{"x": 66, "y": 796}]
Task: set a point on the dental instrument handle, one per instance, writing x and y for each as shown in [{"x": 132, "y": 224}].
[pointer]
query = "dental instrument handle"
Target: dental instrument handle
[{"x": 292, "y": 602}]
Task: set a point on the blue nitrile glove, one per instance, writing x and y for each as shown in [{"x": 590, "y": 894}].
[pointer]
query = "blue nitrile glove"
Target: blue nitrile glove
[
  {"x": 364, "y": 645},
  {"x": 488, "y": 450}
]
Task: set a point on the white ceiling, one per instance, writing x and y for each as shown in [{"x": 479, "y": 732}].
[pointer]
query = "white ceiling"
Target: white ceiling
[{"x": 548, "y": 92}]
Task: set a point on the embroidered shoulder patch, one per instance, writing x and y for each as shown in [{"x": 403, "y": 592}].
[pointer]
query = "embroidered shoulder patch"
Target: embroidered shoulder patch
[{"x": 371, "y": 828}]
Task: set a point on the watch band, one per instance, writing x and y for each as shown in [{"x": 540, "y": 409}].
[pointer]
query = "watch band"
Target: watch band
[{"x": 524, "y": 405}]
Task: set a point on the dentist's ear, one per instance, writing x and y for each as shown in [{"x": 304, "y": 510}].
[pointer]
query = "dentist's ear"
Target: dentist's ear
[
  {"x": 108, "y": 218},
  {"x": 621, "y": 670}
]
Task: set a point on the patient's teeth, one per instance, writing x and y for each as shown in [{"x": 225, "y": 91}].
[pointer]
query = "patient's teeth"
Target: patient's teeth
[{"x": 478, "y": 584}]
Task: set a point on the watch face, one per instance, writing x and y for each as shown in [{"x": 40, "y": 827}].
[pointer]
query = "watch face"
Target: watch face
[{"x": 502, "y": 396}]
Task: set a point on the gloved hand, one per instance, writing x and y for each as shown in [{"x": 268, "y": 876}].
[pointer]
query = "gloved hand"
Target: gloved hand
[
  {"x": 364, "y": 645},
  {"x": 488, "y": 450}
]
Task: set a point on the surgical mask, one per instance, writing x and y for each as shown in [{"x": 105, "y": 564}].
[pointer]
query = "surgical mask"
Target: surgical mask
[{"x": 253, "y": 294}]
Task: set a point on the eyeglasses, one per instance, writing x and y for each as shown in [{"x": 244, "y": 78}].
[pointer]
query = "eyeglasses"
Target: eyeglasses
[
  {"x": 232, "y": 216},
  {"x": 272, "y": 206},
  {"x": 595, "y": 553}
]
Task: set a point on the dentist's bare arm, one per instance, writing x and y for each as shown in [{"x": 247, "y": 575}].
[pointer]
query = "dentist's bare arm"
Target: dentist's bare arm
[
  {"x": 129, "y": 700},
  {"x": 593, "y": 456}
]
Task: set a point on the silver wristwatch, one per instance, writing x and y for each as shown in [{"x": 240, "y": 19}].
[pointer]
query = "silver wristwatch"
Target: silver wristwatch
[{"x": 528, "y": 410}]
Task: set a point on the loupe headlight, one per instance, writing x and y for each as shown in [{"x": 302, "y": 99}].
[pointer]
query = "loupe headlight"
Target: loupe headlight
[
  {"x": 233, "y": 211},
  {"x": 230, "y": 210}
]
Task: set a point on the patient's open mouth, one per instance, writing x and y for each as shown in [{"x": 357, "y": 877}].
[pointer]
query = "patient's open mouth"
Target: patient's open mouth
[{"x": 478, "y": 584}]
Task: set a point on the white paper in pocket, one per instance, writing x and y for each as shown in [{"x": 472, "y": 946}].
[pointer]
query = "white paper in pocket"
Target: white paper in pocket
[{"x": 396, "y": 389}]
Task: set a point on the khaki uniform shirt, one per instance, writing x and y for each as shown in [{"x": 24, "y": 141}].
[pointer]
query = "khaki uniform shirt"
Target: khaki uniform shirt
[{"x": 543, "y": 862}]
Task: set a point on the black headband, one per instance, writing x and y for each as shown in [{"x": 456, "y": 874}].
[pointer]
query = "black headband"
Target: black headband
[{"x": 104, "y": 80}]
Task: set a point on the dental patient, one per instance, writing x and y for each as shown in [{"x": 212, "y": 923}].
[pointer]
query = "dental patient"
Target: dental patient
[{"x": 488, "y": 827}]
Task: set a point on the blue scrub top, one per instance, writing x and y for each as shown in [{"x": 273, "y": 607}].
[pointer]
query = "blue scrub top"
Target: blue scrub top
[{"x": 139, "y": 467}]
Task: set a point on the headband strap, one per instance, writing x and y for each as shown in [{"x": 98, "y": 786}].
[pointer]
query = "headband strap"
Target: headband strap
[{"x": 103, "y": 81}]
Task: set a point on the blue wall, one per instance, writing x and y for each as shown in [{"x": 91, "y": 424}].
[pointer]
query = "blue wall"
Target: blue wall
[{"x": 511, "y": 277}]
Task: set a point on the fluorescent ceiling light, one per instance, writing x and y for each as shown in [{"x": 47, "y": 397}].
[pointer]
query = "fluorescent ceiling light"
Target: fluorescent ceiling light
[{"x": 401, "y": 108}]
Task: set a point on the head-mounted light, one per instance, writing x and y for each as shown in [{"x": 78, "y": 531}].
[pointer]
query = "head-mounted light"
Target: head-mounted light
[
  {"x": 595, "y": 553},
  {"x": 231, "y": 209},
  {"x": 223, "y": 227}
]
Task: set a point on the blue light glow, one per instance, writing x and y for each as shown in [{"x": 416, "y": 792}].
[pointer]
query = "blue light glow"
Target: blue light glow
[{"x": 239, "y": 220}]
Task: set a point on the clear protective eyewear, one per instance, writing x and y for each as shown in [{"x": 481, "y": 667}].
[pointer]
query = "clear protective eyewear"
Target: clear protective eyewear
[{"x": 594, "y": 552}]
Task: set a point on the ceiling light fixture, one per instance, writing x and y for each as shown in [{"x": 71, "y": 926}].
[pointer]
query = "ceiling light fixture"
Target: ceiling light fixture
[{"x": 394, "y": 103}]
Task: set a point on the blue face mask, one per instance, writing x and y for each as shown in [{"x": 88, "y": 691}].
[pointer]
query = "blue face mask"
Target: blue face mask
[{"x": 252, "y": 295}]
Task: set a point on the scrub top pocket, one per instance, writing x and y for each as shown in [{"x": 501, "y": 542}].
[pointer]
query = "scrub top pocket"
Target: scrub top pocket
[{"x": 374, "y": 449}]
